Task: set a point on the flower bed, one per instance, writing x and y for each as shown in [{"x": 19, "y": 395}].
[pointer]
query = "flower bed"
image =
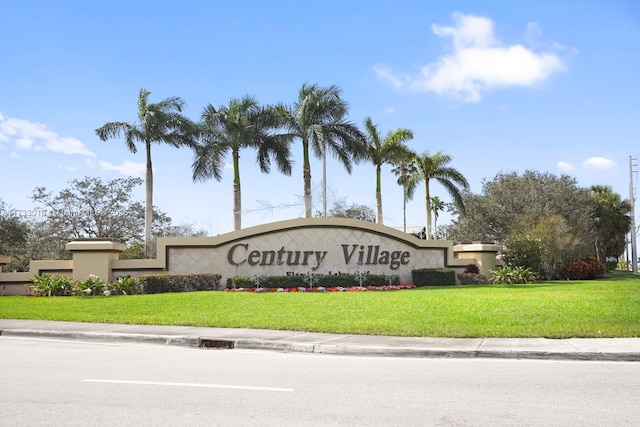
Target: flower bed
[{"x": 324, "y": 289}]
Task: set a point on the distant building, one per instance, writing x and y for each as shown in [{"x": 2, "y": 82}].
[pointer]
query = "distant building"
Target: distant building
[{"x": 415, "y": 230}]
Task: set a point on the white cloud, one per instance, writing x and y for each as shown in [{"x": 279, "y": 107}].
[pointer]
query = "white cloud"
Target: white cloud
[
  {"x": 387, "y": 74},
  {"x": 14, "y": 155},
  {"x": 37, "y": 137},
  {"x": 534, "y": 31},
  {"x": 127, "y": 168},
  {"x": 478, "y": 62},
  {"x": 599, "y": 163},
  {"x": 565, "y": 167},
  {"x": 390, "y": 110}
]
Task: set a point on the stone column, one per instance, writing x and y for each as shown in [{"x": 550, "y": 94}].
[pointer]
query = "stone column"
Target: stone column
[
  {"x": 482, "y": 254},
  {"x": 94, "y": 257}
]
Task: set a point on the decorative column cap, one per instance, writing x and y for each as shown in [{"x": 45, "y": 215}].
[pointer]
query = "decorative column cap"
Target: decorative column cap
[
  {"x": 95, "y": 245},
  {"x": 477, "y": 247}
]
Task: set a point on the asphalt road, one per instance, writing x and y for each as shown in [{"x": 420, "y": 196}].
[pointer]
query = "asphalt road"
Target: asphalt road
[{"x": 71, "y": 383}]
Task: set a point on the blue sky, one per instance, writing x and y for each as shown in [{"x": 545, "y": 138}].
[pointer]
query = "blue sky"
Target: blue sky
[{"x": 501, "y": 86}]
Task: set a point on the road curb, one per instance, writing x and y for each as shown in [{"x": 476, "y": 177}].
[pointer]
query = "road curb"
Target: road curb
[
  {"x": 320, "y": 347},
  {"x": 178, "y": 340}
]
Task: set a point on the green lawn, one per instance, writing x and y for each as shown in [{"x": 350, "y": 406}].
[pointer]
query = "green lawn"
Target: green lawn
[{"x": 608, "y": 307}]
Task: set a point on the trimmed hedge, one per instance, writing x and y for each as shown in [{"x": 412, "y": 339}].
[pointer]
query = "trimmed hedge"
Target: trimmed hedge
[
  {"x": 433, "y": 277},
  {"x": 162, "y": 283},
  {"x": 324, "y": 280}
]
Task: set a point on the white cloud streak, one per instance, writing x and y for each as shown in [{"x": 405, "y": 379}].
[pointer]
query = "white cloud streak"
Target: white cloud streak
[
  {"x": 565, "y": 166},
  {"x": 479, "y": 62},
  {"x": 29, "y": 136},
  {"x": 127, "y": 168},
  {"x": 599, "y": 163}
]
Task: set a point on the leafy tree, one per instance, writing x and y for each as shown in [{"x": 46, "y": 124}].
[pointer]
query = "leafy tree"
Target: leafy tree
[
  {"x": 354, "y": 211},
  {"x": 13, "y": 232},
  {"x": 406, "y": 171},
  {"x": 509, "y": 196},
  {"x": 382, "y": 151},
  {"x": 571, "y": 223},
  {"x": 435, "y": 167},
  {"x": 93, "y": 208},
  {"x": 559, "y": 243},
  {"x": 241, "y": 124},
  {"x": 318, "y": 119},
  {"x": 160, "y": 122},
  {"x": 134, "y": 250}
]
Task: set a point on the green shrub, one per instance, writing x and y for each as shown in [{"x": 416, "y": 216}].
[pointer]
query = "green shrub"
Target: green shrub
[
  {"x": 525, "y": 252},
  {"x": 472, "y": 279},
  {"x": 268, "y": 282},
  {"x": 512, "y": 275},
  {"x": 587, "y": 269},
  {"x": 162, "y": 283},
  {"x": 319, "y": 280},
  {"x": 91, "y": 286},
  {"x": 46, "y": 285},
  {"x": 610, "y": 265},
  {"x": 433, "y": 277},
  {"x": 337, "y": 280}
]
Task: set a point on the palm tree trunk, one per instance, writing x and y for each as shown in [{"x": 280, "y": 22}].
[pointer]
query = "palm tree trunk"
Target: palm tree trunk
[
  {"x": 324, "y": 180},
  {"x": 378, "y": 197},
  {"x": 237, "y": 200},
  {"x": 435, "y": 221},
  {"x": 404, "y": 207},
  {"x": 237, "y": 217},
  {"x": 306, "y": 170},
  {"x": 427, "y": 202},
  {"x": 148, "y": 208}
]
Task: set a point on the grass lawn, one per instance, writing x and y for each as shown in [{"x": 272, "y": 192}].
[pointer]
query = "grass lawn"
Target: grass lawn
[{"x": 608, "y": 307}]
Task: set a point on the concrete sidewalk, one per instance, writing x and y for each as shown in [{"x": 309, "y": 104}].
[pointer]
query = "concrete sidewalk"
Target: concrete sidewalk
[{"x": 614, "y": 349}]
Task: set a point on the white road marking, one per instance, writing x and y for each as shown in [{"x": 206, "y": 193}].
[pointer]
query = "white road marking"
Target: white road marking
[{"x": 200, "y": 385}]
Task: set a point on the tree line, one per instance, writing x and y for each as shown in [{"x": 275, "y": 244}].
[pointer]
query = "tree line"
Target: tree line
[
  {"x": 563, "y": 220},
  {"x": 318, "y": 118},
  {"x": 546, "y": 217}
]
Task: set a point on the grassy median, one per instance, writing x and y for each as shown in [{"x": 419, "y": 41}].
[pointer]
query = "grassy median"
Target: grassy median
[{"x": 608, "y": 307}]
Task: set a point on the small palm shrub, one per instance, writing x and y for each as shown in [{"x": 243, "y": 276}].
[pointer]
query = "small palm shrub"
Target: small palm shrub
[
  {"x": 512, "y": 275},
  {"x": 124, "y": 285},
  {"x": 92, "y": 285},
  {"x": 45, "y": 285}
]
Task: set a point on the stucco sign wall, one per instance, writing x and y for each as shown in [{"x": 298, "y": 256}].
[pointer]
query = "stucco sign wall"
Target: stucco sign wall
[{"x": 324, "y": 246}]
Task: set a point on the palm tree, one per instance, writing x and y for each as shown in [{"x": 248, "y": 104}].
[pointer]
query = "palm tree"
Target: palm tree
[
  {"x": 405, "y": 169},
  {"x": 318, "y": 118},
  {"x": 241, "y": 124},
  {"x": 611, "y": 221},
  {"x": 437, "y": 205},
  {"x": 384, "y": 151},
  {"x": 435, "y": 167},
  {"x": 160, "y": 122}
]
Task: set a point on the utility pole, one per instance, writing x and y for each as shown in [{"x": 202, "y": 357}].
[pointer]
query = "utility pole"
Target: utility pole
[{"x": 632, "y": 201}]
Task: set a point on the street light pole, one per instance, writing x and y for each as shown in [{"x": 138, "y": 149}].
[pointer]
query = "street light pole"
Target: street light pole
[{"x": 632, "y": 201}]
